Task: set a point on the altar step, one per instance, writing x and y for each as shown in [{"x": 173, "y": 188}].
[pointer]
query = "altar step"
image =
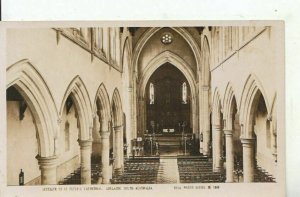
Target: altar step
[{"x": 169, "y": 141}]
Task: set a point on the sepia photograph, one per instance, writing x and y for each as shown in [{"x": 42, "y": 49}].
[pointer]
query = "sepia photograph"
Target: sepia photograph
[{"x": 110, "y": 106}]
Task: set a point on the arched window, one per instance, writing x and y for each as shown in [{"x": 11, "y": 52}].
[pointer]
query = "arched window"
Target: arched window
[
  {"x": 184, "y": 93},
  {"x": 151, "y": 94}
]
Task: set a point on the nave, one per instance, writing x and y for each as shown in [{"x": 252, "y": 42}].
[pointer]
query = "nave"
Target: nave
[
  {"x": 134, "y": 104},
  {"x": 166, "y": 169}
]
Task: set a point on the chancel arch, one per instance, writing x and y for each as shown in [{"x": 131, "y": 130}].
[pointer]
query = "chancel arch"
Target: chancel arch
[
  {"x": 183, "y": 67},
  {"x": 151, "y": 31},
  {"x": 195, "y": 52},
  {"x": 26, "y": 87}
]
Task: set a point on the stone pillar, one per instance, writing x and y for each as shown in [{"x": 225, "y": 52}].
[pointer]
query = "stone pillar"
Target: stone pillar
[
  {"x": 122, "y": 146},
  {"x": 229, "y": 156},
  {"x": 105, "y": 157},
  {"x": 129, "y": 124},
  {"x": 118, "y": 145},
  {"x": 48, "y": 170},
  {"x": 273, "y": 128},
  {"x": 85, "y": 165},
  {"x": 142, "y": 116},
  {"x": 248, "y": 159},
  {"x": 134, "y": 103},
  {"x": 206, "y": 121},
  {"x": 96, "y": 145},
  {"x": 194, "y": 115},
  {"x": 218, "y": 148}
]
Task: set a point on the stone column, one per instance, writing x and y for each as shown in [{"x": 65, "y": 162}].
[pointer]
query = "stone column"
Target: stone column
[
  {"x": 218, "y": 148},
  {"x": 273, "y": 128},
  {"x": 129, "y": 124},
  {"x": 206, "y": 121},
  {"x": 48, "y": 170},
  {"x": 248, "y": 159},
  {"x": 118, "y": 145},
  {"x": 134, "y": 103},
  {"x": 122, "y": 147},
  {"x": 85, "y": 165},
  {"x": 229, "y": 156},
  {"x": 105, "y": 157},
  {"x": 142, "y": 116}
]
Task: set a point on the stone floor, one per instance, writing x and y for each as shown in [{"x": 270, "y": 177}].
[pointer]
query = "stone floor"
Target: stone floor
[{"x": 168, "y": 170}]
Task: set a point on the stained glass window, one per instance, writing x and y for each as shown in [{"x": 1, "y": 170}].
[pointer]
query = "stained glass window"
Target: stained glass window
[
  {"x": 166, "y": 38},
  {"x": 184, "y": 93},
  {"x": 151, "y": 93}
]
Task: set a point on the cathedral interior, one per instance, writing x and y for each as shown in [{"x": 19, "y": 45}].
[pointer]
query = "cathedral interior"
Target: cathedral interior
[{"x": 142, "y": 105}]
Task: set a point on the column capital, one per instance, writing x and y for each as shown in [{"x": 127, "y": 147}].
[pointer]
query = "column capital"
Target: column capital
[
  {"x": 59, "y": 120},
  {"x": 269, "y": 117},
  {"x": 217, "y": 127},
  {"x": 228, "y": 132},
  {"x": 205, "y": 88},
  {"x": 85, "y": 143},
  {"x": 118, "y": 128},
  {"x": 47, "y": 162},
  {"x": 247, "y": 141},
  {"x": 104, "y": 134}
]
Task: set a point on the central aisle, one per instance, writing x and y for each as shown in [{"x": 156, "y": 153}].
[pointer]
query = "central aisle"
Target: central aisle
[{"x": 168, "y": 170}]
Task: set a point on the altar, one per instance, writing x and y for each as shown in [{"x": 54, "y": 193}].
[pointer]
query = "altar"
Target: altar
[{"x": 168, "y": 130}]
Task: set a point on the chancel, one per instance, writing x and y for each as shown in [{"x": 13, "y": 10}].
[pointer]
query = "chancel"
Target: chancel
[{"x": 142, "y": 105}]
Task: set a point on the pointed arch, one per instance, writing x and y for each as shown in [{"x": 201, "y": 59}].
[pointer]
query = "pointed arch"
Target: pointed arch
[
  {"x": 250, "y": 95},
  {"x": 217, "y": 108},
  {"x": 78, "y": 92},
  {"x": 117, "y": 104},
  {"x": 273, "y": 107},
  {"x": 228, "y": 105},
  {"x": 126, "y": 54},
  {"x": 31, "y": 85},
  {"x": 161, "y": 59},
  {"x": 151, "y": 31},
  {"x": 102, "y": 103},
  {"x": 206, "y": 62},
  {"x": 179, "y": 63}
]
